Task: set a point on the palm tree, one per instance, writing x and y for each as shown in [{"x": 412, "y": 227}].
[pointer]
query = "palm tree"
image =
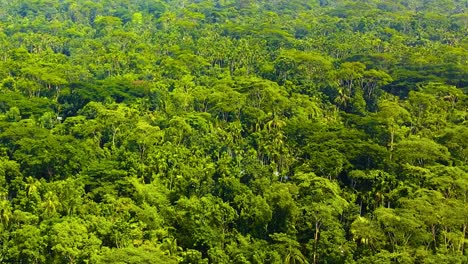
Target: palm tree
[
  {"x": 5, "y": 213},
  {"x": 32, "y": 185},
  {"x": 51, "y": 203},
  {"x": 290, "y": 248}
]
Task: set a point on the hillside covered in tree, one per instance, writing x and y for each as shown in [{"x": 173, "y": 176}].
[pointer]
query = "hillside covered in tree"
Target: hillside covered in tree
[{"x": 233, "y": 131}]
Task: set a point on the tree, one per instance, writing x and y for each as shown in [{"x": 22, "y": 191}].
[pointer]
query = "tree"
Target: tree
[
  {"x": 290, "y": 249},
  {"x": 428, "y": 152},
  {"x": 321, "y": 204},
  {"x": 233, "y": 131},
  {"x": 71, "y": 242},
  {"x": 27, "y": 244},
  {"x": 144, "y": 254},
  {"x": 207, "y": 229},
  {"x": 395, "y": 118}
]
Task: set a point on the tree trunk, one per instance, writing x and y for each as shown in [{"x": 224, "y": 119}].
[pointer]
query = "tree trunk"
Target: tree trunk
[
  {"x": 316, "y": 237},
  {"x": 462, "y": 242}
]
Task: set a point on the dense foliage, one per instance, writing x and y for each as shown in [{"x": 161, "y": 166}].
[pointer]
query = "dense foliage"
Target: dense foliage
[{"x": 233, "y": 131}]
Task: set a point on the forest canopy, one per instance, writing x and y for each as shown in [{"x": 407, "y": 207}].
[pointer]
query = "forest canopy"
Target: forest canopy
[{"x": 233, "y": 131}]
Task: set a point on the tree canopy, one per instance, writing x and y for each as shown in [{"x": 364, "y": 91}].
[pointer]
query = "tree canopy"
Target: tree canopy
[{"x": 233, "y": 131}]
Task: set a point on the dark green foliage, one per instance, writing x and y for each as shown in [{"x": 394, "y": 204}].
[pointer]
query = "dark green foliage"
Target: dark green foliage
[{"x": 233, "y": 131}]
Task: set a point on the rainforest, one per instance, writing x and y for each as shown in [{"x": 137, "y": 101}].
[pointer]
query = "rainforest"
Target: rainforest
[{"x": 234, "y": 131}]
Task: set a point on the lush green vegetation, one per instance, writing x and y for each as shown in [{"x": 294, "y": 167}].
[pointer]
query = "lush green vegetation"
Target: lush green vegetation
[{"x": 233, "y": 131}]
